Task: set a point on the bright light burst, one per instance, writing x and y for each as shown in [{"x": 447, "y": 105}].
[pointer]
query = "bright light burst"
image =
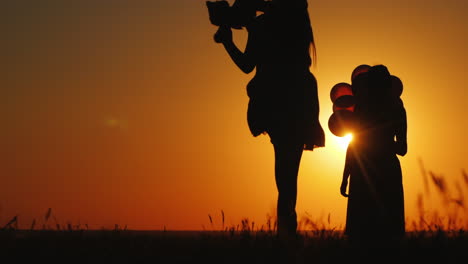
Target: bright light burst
[{"x": 343, "y": 142}]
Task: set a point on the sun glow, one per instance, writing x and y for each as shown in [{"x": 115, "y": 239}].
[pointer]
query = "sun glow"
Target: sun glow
[{"x": 343, "y": 142}]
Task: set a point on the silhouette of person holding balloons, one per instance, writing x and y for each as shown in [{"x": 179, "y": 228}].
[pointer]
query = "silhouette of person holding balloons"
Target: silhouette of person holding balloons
[{"x": 377, "y": 119}]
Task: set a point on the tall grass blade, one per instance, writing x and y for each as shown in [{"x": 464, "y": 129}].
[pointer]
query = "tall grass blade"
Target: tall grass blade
[
  {"x": 465, "y": 177},
  {"x": 424, "y": 175},
  {"x": 48, "y": 214},
  {"x": 211, "y": 219},
  {"x": 222, "y": 218},
  {"x": 33, "y": 224},
  {"x": 12, "y": 222}
]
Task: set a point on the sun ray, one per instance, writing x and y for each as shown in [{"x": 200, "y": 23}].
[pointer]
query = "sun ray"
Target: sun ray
[{"x": 343, "y": 142}]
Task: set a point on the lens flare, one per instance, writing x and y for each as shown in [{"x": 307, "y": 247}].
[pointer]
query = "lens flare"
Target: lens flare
[{"x": 343, "y": 142}]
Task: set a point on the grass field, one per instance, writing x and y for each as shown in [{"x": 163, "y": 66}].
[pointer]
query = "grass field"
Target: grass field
[
  {"x": 320, "y": 246},
  {"x": 430, "y": 238}
]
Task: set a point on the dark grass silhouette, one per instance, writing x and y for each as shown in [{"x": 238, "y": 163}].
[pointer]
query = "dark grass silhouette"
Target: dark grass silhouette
[
  {"x": 433, "y": 236},
  {"x": 242, "y": 246}
]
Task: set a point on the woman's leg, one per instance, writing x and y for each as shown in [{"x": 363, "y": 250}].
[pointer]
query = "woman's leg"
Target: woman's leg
[{"x": 287, "y": 160}]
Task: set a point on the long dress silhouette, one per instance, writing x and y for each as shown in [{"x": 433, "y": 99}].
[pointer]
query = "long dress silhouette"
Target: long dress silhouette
[
  {"x": 283, "y": 97},
  {"x": 375, "y": 207}
]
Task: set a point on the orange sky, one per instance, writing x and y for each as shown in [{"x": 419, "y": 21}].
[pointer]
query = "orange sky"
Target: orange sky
[{"x": 127, "y": 112}]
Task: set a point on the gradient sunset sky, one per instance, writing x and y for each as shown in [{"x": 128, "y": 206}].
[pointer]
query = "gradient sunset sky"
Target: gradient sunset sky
[{"x": 127, "y": 112}]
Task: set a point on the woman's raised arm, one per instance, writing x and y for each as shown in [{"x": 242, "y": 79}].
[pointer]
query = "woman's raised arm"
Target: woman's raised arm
[{"x": 243, "y": 60}]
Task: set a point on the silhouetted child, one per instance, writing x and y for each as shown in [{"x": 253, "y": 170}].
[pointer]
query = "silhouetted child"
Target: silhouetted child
[{"x": 375, "y": 209}]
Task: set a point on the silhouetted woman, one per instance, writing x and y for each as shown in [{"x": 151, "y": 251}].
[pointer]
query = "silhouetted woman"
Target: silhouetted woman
[
  {"x": 375, "y": 211},
  {"x": 283, "y": 93}
]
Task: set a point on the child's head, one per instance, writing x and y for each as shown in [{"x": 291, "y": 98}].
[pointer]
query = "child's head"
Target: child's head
[{"x": 379, "y": 82}]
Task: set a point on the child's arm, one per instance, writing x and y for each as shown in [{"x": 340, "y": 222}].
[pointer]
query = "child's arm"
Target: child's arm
[
  {"x": 346, "y": 173},
  {"x": 401, "y": 145}
]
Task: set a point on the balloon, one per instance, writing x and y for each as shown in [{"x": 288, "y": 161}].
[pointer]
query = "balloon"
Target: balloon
[
  {"x": 344, "y": 101},
  {"x": 359, "y": 69},
  {"x": 397, "y": 86},
  {"x": 349, "y": 108},
  {"x": 360, "y": 84},
  {"x": 339, "y": 90},
  {"x": 340, "y": 122}
]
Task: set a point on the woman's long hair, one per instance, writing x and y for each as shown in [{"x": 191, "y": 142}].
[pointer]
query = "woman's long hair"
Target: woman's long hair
[
  {"x": 292, "y": 20},
  {"x": 310, "y": 37},
  {"x": 299, "y": 28},
  {"x": 312, "y": 47}
]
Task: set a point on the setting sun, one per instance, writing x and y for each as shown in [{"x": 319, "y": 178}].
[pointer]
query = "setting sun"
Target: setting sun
[{"x": 343, "y": 142}]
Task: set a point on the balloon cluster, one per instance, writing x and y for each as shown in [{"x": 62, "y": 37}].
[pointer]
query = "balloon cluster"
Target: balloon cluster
[{"x": 346, "y": 97}]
